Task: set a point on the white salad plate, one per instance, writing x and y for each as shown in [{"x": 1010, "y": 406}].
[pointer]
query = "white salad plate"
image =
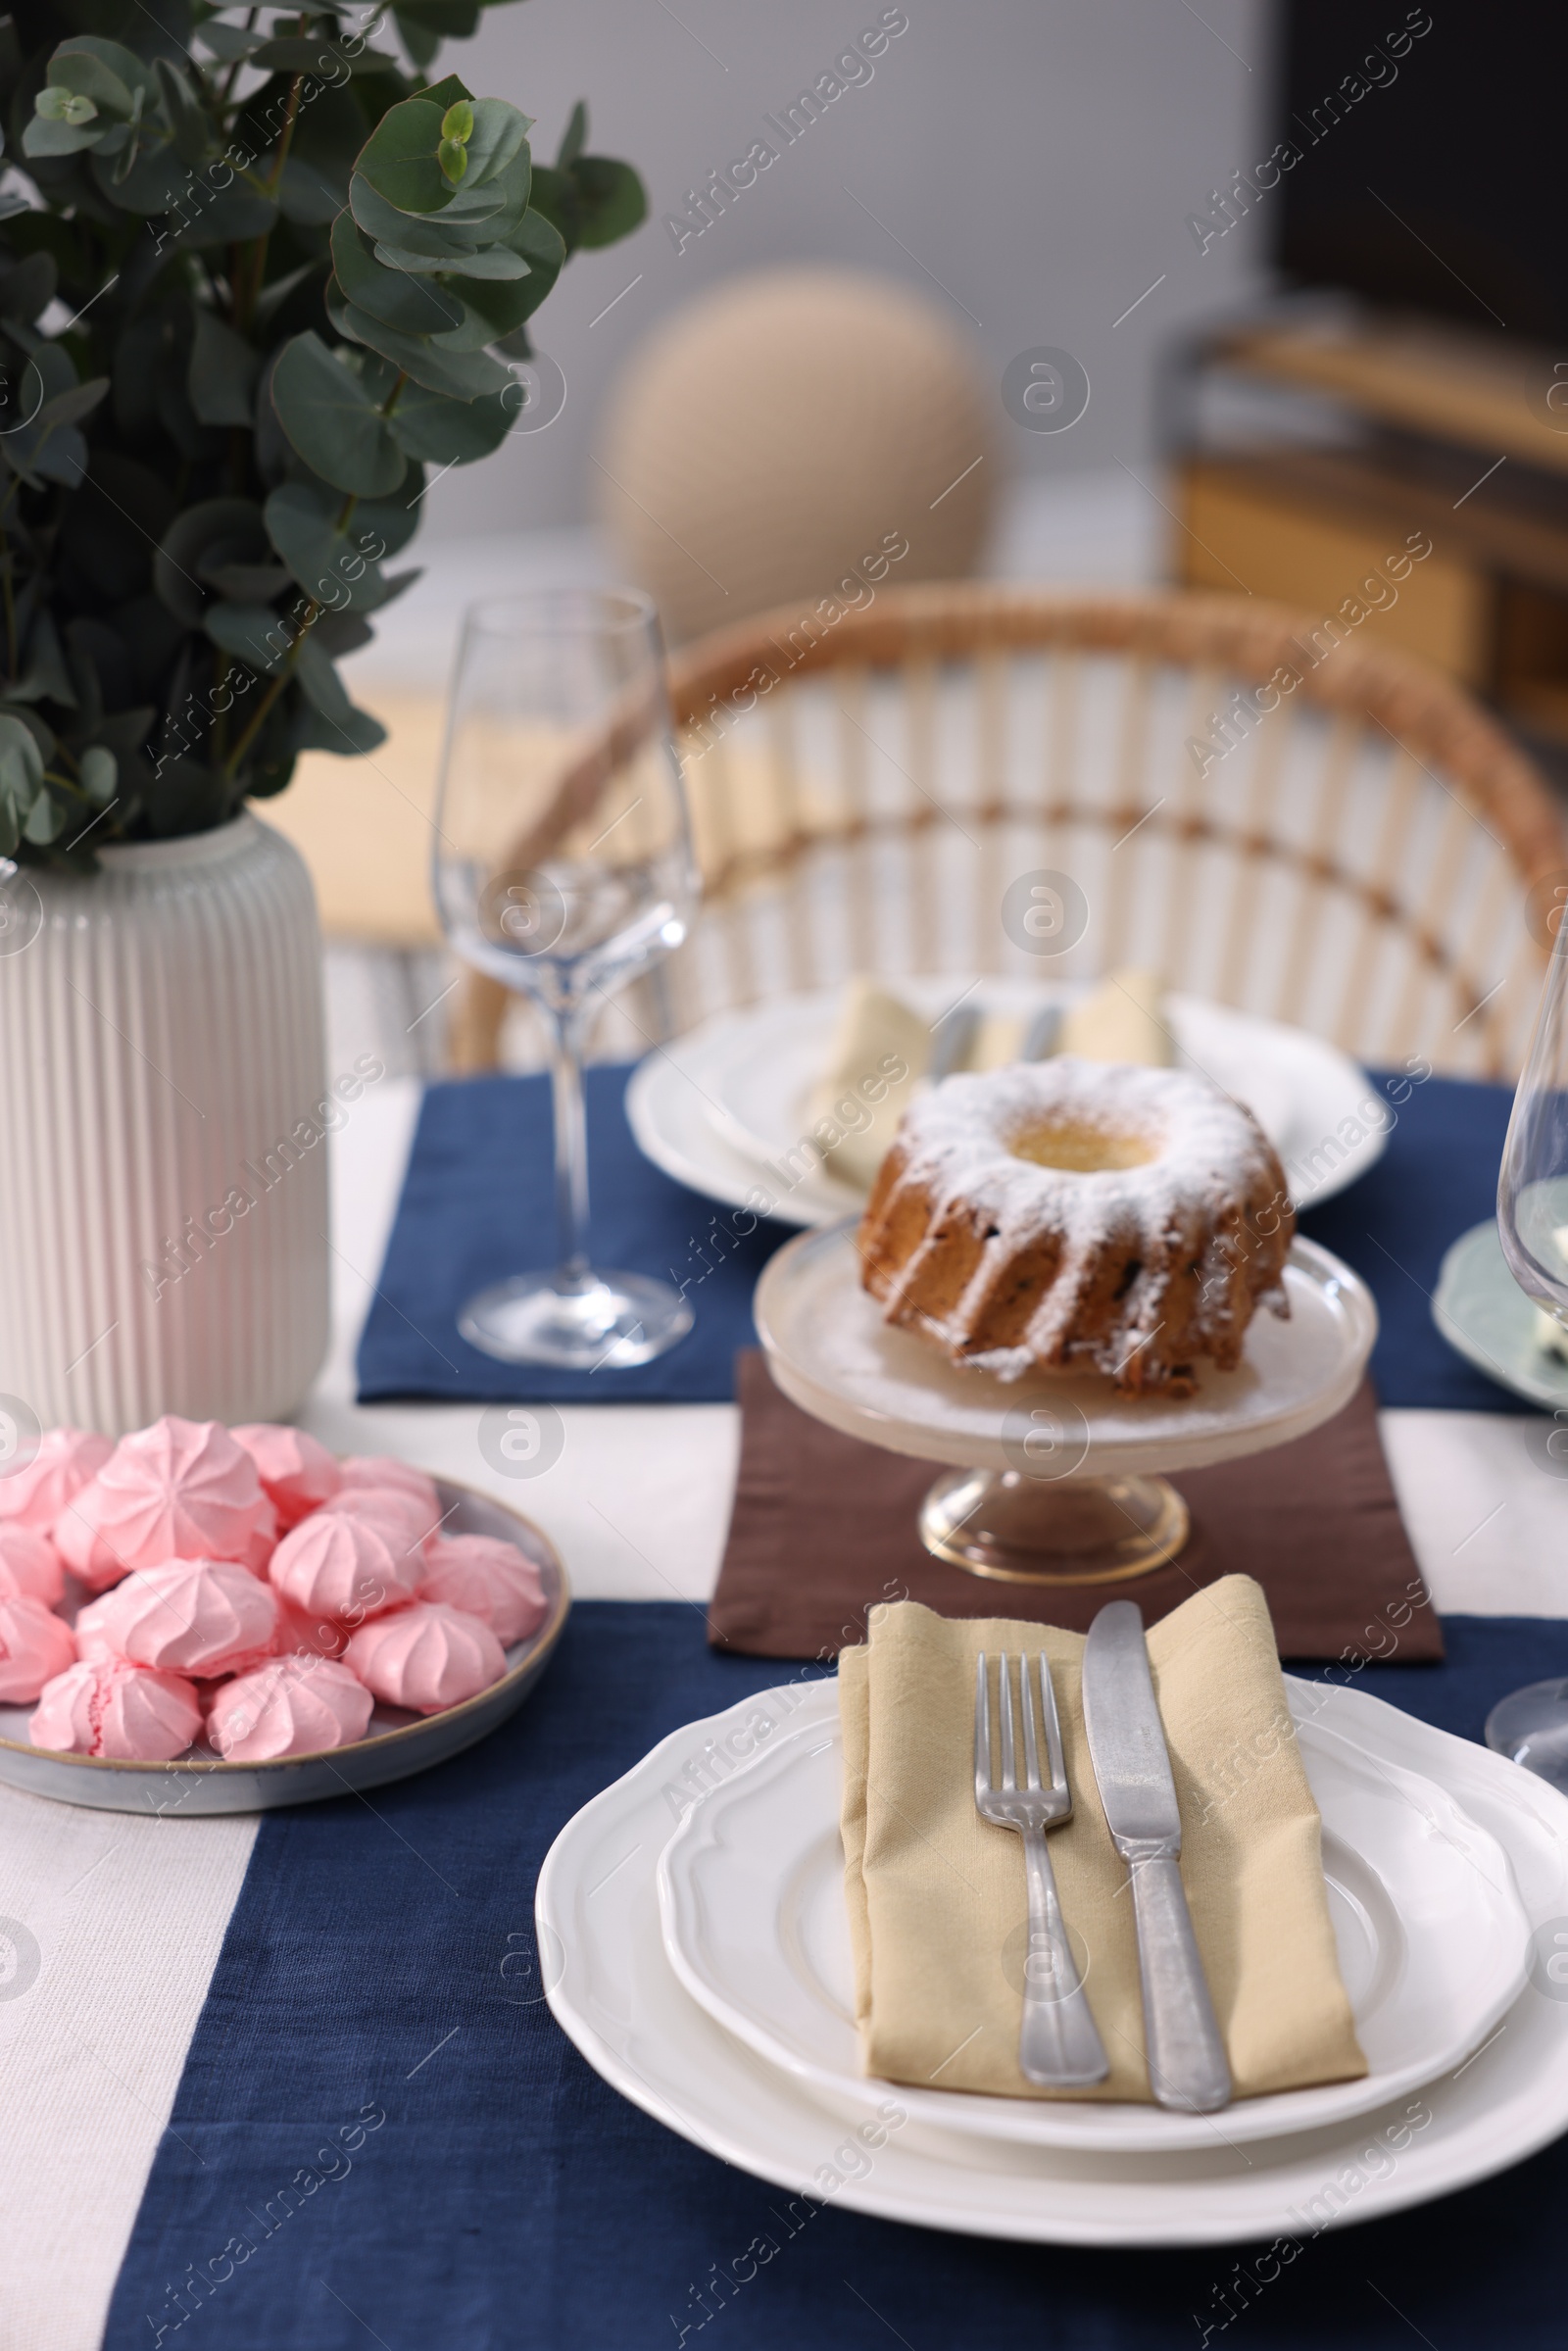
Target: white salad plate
[
  {"x": 396, "y": 1745},
  {"x": 722, "y": 1107},
  {"x": 611, "y": 1987},
  {"x": 1433, "y": 1942}
]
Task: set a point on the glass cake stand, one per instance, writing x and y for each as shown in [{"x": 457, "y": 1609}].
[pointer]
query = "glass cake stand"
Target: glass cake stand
[{"x": 1053, "y": 1479}]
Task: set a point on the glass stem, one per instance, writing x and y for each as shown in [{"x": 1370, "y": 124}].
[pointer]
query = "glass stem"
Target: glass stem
[{"x": 568, "y": 1027}]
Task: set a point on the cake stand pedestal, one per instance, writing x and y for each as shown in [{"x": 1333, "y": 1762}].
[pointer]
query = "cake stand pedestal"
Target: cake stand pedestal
[{"x": 1053, "y": 1479}]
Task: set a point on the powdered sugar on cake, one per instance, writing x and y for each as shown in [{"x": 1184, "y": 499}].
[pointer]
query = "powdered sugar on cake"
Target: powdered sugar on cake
[{"x": 1013, "y": 1265}]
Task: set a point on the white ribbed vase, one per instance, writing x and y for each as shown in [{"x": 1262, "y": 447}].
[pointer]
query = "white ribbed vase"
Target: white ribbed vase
[{"x": 162, "y": 1062}]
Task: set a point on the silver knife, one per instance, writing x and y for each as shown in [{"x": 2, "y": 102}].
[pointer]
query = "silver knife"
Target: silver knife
[{"x": 1186, "y": 2063}]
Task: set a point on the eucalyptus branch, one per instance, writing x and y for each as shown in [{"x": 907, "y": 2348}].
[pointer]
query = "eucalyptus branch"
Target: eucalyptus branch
[{"x": 262, "y": 426}]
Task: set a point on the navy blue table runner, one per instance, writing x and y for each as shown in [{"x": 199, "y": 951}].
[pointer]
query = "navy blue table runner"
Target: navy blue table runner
[
  {"x": 476, "y": 1205},
  {"x": 383, "y": 2136}
]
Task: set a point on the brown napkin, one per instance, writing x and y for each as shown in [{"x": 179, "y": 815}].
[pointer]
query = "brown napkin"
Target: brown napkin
[
  {"x": 824, "y": 1526},
  {"x": 935, "y": 1895}
]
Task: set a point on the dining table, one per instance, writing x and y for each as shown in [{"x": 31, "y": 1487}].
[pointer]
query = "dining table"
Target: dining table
[{"x": 294, "y": 2079}]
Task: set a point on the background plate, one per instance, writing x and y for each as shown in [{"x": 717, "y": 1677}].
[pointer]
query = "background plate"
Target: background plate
[
  {"x": 716, "y": 1106},
  {"x": 396, "y": 1745},
  {"x": 1481, "y": 1311}
]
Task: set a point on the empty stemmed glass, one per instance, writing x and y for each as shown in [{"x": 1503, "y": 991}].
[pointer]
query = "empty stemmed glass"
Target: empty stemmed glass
[
  {"x": 1531, "y": 1724},
  {"x": 563, "y": 866}
]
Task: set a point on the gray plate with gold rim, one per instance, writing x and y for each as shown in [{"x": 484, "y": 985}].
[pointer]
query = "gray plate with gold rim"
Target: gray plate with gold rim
[{"x": 396, "y": 1745}]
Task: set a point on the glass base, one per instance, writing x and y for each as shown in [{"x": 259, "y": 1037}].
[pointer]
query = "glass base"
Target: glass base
[
  {"x": 1022, "y": 1530},
  {"x": 1529, "y": 1726},
  {"x": 607, "y": 1322}
]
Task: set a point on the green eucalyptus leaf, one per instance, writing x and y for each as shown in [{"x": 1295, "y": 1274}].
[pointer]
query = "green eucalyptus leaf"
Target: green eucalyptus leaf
[
  {"x": 112, "y": 77},
  {"x": 21, "y": 780},
  {"x": 70, "y": 406},
  {"x": 416, "y": 305},
  {"x": 221, "y": 522},
  {"x": 147, "y": 180},
  {"x": 447, "y": 20},
  {"x": 350, "y": 737},
  {"x": 252, "y": 631},
  {"x": 220, "y": 378},
  {"x": 398, "y": 158},
  {"x": 313, "y": 666},
  {"x": 331, "y": 421},
  {"x": 337, "y": 564},
  {"x": 499, "y": 138},
  {"x": 46, "y": 819},
  {"x": 611, "y": 200},
  {"x": 572, "y": 137},
  {"x": 452, "y": 87},
  {"x": 231, "y": 42},
  {"x": 446, "y": 242},
  {"x": 420, "y": 46},
  {"x": 292, "y": 54},
  {"x": 452, "y": 432},
  {"x": 461, "y": 374},
  {"x": 43, "y": 138},
  {"x": 98, "y": 773},
  {"x": 243, "y": 583},
  {"x": 497, "y": 262}
]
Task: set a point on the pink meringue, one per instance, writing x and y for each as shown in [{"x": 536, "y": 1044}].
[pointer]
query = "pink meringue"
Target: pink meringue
[
  {"x": 487, "y": 1578},
  {"x": 309, "y": 1632},
  {"x": 297, "y": 1472},
  {"x": 29, "y": 1564},
  {"x": 262, "y": 1541},
  {"x": 34, "y": 1647},
  {"x": 187, "y": 1616},
  {"x": 382, "y": 1470},
  {"x": 288, "y": 1706},
  {"x": 426, "y": 1658},
  {"x": 180, "y": 1489},
  {"x": 94, "y": 1558},
  {"x": 333, "y": 1564},
  {"x": 37, "y": 1491},
  {"x": 103, "y": 1706},
  {"x": 394, "y": 1514}
]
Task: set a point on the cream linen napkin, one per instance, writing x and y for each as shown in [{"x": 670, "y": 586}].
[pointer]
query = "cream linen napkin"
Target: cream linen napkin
[{"x": 936, "y": 1896}]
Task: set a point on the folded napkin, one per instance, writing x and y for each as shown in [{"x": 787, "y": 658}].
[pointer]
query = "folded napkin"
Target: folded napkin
[
  {"x": 882, "y": 1048},
  {"x": 936, "y": 1896}
]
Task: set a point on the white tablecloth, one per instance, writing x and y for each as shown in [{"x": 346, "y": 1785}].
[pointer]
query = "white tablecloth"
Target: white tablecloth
[{"x": 128, "y": 1915}]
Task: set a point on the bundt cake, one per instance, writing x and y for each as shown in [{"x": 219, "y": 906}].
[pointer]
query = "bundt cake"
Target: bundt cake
[{"x": 1071, "y": 1212}]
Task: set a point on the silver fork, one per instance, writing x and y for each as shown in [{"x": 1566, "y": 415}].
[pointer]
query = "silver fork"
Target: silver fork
[{"x": 1058, "y": 2045}]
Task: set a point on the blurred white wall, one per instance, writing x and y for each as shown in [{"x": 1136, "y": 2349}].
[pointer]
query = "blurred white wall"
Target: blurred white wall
[{"x": 1030, "y": 164}]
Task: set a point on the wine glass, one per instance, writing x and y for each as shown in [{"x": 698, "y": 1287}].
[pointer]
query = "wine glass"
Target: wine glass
[
  {"x": 1531, "y": 1725},
  {"x": 561, "y": 867}
]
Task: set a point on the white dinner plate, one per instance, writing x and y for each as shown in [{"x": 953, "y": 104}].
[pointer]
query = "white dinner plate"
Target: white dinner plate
[
  {"x": 720, "y": 1107},
  {"x": 613, "y": 1991},
  {"x": 395, "y": 1747},
  {"x": 1433, "y": 1942}
]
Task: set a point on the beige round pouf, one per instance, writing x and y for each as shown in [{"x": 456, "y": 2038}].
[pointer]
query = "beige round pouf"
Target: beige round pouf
[{"x": 797, "y": 434}]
